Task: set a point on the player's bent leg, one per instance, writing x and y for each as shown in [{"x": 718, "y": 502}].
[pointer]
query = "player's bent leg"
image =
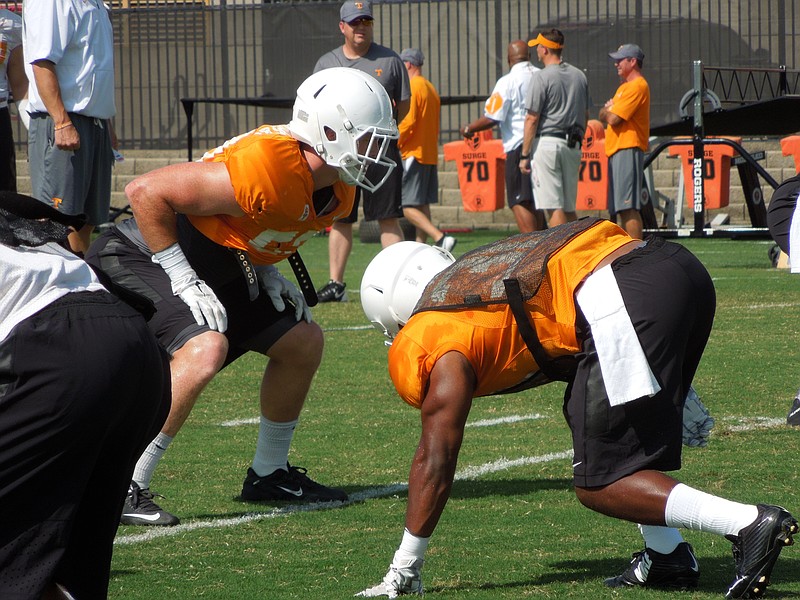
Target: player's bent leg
[
  {"x": 192, "y": 367},
  {"x": 293, "y": 361}
]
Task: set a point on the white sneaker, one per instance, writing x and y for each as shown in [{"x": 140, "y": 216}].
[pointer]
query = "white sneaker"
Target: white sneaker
[{"x": 448, "y": 242}]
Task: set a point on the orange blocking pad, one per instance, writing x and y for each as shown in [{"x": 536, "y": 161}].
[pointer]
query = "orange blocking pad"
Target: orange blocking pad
[
  {"x": 790, "y": 146},
  {"x": 716, "y": 172},
  {"x": 593, "y": 174},
  {"x": 481, "y": 165}
]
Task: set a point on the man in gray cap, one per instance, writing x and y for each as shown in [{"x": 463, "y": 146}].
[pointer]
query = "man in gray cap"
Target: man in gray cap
[
  {"x": 627, "y": 115},
  {"x": 385, "y": 204}
]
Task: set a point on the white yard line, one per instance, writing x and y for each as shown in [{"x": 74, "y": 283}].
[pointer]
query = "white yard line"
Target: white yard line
[
  {"x": 380, "y": 492},
  {"x": 473, "y": 472},
  {"x": 505, "y": 420},
  {"x": 482, "y": 423}
]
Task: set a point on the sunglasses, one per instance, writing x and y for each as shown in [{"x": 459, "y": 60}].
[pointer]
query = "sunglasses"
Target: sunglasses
[{"x": 361, "y": 21}]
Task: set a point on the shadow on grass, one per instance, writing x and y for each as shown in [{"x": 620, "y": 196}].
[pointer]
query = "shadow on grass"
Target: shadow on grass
[
  {"x": 507, "y": 487},
  {"x": 461, "y": 490},
  {"x": 716, "y": 574}
]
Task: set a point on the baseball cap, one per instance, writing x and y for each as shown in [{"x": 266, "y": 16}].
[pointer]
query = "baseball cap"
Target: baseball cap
[
  {"x": 357, "y": 9},
  {"x": 414, "y": 56},
  {"x": 627, "y": 51}
]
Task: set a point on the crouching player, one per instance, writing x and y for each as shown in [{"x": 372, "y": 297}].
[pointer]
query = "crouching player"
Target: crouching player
[{"x": 625, "y": 323}]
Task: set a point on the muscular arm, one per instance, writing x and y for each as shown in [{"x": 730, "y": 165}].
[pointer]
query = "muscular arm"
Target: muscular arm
[
  {"x": 186, "y": 188},
  {"x": 444, "y": 413},
  {"x": 44, "y": 73}
]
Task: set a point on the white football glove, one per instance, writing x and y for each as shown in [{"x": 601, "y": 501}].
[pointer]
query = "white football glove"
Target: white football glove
[
  {"x": 279, "y": 289},
  {"x": 403, "y": 578},
  {"x": 201, "y": 299},
  {"x": 697, "y": 422}
]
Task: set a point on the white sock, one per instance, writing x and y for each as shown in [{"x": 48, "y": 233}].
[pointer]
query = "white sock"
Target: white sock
[
  {"x": 148, "y": 461},
  {"x": 699, "y": 511},
  {"x": 411, "y": 547},
  {"x": 663, "y": 540},
  {"x": 272, "y": 447}
]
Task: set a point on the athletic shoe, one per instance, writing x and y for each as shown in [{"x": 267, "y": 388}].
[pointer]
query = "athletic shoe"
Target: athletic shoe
[
  {"x": 139, "y": 509},
  {"x": 448, "y": 242},
  {"x": 756, "y": 549},
  {"x": 678, "y": 569},
  {"x": 292, "y": 485},
  {"x": 793, "y": 418},
  {"x": 333, "y": 291}
]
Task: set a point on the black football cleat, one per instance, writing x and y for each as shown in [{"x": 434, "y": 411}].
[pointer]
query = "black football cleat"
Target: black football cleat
[
  {"x": 756, "y": 549},
  {"x": 292, "y": 485},
  {"x": 676, "y": 570}
]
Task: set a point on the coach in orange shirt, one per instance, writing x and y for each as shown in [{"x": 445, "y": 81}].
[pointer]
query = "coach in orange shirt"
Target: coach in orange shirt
[
  {"x": 419, "y": 147},
  {"x": 203, "y": 246},
  {"x": 627, "y": 115},
  {"x": 624, "y": 323}
]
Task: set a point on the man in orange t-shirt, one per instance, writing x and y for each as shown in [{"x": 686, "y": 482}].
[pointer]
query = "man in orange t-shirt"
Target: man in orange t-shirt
[
  {"x": 624, "y": 323},
  {"x": 627, "y": 115},
  {"x": 203, "y": 245},
  {"x": 419, "y": 148}
]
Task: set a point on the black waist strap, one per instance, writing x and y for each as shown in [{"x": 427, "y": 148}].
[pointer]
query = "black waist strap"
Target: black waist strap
[{"x": 555, "y": 369}]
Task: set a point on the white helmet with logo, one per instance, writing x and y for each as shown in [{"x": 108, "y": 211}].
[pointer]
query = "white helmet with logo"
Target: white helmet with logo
[
  {"x": 394, "y": 281},
  {"x": 345, "y": 115}
]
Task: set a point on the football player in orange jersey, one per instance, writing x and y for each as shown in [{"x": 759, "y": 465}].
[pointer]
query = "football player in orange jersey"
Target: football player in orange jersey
[
  {"x": 624, "y": 322},
  {"x": 203, "y": 244}
]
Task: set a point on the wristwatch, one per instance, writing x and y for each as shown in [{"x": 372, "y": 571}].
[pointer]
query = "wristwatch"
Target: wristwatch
[{"x": 525, "y": 156}]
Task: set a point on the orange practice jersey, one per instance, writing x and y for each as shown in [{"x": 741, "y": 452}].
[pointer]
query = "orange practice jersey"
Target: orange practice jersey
[
  {"x": 488, "y": 336},
  {"x": 632, "y": 103},
  {"x": 273, "y": 185},
  {"x": 419, "y": 130}
]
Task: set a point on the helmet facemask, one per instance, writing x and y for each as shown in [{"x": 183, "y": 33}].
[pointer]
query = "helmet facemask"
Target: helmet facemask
[{"x": 370, "y": 167}]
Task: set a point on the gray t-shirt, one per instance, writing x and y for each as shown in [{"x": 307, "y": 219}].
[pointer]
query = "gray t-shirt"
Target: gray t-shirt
[
  {"x": 559, "y": 94},
  {"x": 382, "y": 63}
]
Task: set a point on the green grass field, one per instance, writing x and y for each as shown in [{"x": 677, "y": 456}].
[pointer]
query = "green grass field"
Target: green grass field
[{"x": 513, "y": 528}]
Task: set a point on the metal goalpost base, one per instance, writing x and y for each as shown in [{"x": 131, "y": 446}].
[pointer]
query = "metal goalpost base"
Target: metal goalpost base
[{"x": 746, "y": 163}]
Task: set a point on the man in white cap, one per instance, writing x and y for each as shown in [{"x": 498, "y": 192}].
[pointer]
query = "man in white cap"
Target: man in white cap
[{"x": 627, "y": 115}]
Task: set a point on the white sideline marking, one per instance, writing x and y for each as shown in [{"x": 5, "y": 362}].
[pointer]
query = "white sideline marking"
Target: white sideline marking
[
  {"x": 483, "y": 423},
  {"x": 240, "y": 422},
  {"x": 751, "y": 423},
  {"x": 747, "y": 424},
  {"x": 389, "y": 490},
  {"x": 349, "y": 328},
  {"x": 504, "y": 420},
  {"x": 773, "y": 305}
]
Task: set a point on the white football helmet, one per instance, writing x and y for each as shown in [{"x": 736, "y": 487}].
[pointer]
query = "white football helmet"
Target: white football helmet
[
  {"x": 345, "y": 115},
  {"x": 394, "y": 281}
]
